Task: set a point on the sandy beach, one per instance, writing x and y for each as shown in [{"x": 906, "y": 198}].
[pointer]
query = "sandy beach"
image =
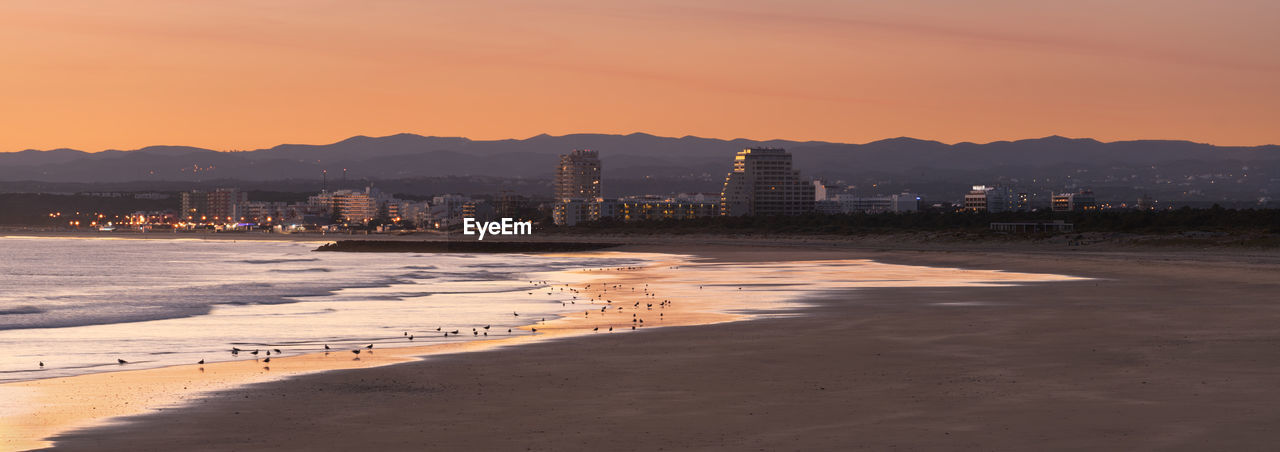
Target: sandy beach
[{"x": 1165, "y": 350}]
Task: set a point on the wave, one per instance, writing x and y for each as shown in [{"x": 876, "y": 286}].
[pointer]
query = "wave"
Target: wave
[
  {"x": 300, "y": 270},
  {"x": 21, "y": 310},
  {"x": 278, "y": 261}
]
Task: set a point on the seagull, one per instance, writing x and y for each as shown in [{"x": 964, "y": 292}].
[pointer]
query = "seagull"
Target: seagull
[
  {"x": 356, "y": 351},
  {"x": 278, "y": 352},
  {"x": 410, "y": 337},
  {"x": 515, "y": 314},
  {"x": 370, "y": 346},
  {"x": 41, "y": 363},
  {"x": 326, "y": 346},
  {"x": 486, "y": 327},
  {"x": 201, "y": 362},
  {"x": 121, "y": 361},
  {"x": 254, "y": 353},
  {"x": 535, "y": 330},
  {"x": 267, "y": 360}
]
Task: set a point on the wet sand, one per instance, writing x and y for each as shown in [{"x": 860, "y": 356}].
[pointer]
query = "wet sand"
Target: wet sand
[{"x": 1172, "y": 351}]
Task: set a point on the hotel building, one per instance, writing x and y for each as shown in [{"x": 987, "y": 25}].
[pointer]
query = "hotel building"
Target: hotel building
[
  {"x": 577, "y": 188},
  {"x": 763, "y": 183}
]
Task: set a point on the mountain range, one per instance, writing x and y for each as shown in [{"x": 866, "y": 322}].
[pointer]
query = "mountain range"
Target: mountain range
[{"x": 640, "y": 156}]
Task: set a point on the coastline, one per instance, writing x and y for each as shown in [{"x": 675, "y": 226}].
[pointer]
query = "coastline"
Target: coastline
[
  {"x": 66, "y": 404},
  {"x": 658, "y": 354}
]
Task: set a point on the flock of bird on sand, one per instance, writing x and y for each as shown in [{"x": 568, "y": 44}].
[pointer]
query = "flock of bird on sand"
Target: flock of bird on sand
[{"x": 598, "y": 297}]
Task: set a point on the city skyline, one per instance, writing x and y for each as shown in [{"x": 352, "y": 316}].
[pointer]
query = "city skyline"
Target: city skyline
[{"x": 243, "y": 75}]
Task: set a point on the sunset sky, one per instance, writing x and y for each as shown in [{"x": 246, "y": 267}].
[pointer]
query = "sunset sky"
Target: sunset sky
[{"x": 96, "y": 75}]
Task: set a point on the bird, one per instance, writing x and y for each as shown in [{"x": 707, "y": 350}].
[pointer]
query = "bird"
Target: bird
[
  {"x": 41, "y": 363},
  {"x": 201, "y": 362},
  {"x": 454, "y": 332},
  {"x": 267, "y": 360},
  {"x": 411, "y": 338},
  {"x": 535, "y": 330},
  {"x": 254, "y": 353},
  {"x": 437, "y": 328},
  {"x": 356, "y": 351},
  {"x": 610, "y": 328},
  {"x": 326, "y": 346},
  {"x": 278, "y": 352},
  {"x": 515, "y": 314},
  {"x": 486, "y": 327},
  {"x": 595, "y": 329},
  {"x": 121, "y": 361},
  {"x": 370, "y": 346}
]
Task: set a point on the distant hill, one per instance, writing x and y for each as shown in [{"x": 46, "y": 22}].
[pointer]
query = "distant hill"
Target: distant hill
[{"x": 898, "y": 163}]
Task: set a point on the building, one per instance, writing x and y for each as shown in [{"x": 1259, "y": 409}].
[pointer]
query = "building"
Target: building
[
  {"x": 986, "y": 198},
  {"x": 511, "y": 205},
  {"x": 899, "y": 203},
  {"x": 763, "y": 183},
  {"x": 1055, "y": 226},
  {"x": 1080, "y": 201},
  {"x": 577, "y": 188},
  {"x": 652, "y": 208},
  {"x": 819, "y": 190},
  {"x": 355, "y": 206},
  {"x": 223, "y": 205},
  {"x": 827, "y": 207}
]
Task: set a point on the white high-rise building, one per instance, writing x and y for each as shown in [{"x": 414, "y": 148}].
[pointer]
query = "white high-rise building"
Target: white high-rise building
[
  {"x": 577, "y": 186},
  {"x": 763, "y": 183}
]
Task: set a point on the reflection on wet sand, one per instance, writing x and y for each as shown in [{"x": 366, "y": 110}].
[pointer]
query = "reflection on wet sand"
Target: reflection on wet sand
[{"x": 671, "y": 291}]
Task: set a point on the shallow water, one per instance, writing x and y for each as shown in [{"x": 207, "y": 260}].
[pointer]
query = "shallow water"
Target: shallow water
[{"x": 78, "y": 305}]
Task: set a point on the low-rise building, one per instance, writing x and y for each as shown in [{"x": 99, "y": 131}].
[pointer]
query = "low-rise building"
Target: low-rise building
[{"x": 649, "y": 208}]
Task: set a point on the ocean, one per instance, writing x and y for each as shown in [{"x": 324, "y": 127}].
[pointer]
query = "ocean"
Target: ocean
[{"x": 79, "y": 305}]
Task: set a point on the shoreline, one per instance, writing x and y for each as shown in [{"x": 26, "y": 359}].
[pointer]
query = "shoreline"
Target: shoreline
[
  {"x": 187, "y": 420},
  {"x": 224, "y": 376},
  {"x": 1081, "y": 242}
]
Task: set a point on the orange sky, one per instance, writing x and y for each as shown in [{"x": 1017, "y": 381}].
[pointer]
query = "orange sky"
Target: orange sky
[{"x": 96, "y": 75}]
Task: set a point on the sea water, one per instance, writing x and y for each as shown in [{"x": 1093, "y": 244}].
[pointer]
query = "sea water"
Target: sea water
[{"x": 79, "y": 305}]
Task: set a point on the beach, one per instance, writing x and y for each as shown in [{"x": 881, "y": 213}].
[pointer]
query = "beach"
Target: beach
[{"x": 1170, "y": 350}]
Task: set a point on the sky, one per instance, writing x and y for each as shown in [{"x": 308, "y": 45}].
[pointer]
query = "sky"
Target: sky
[{"x": 235, "y": 75}]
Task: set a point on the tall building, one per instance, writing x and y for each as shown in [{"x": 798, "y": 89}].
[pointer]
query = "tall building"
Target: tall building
[
  {"x": 194, "y": 205},
  {"x": 222, "y": 205},
  {"x": 763, "y": 183},
  {"x": 577, "y": 186}
]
